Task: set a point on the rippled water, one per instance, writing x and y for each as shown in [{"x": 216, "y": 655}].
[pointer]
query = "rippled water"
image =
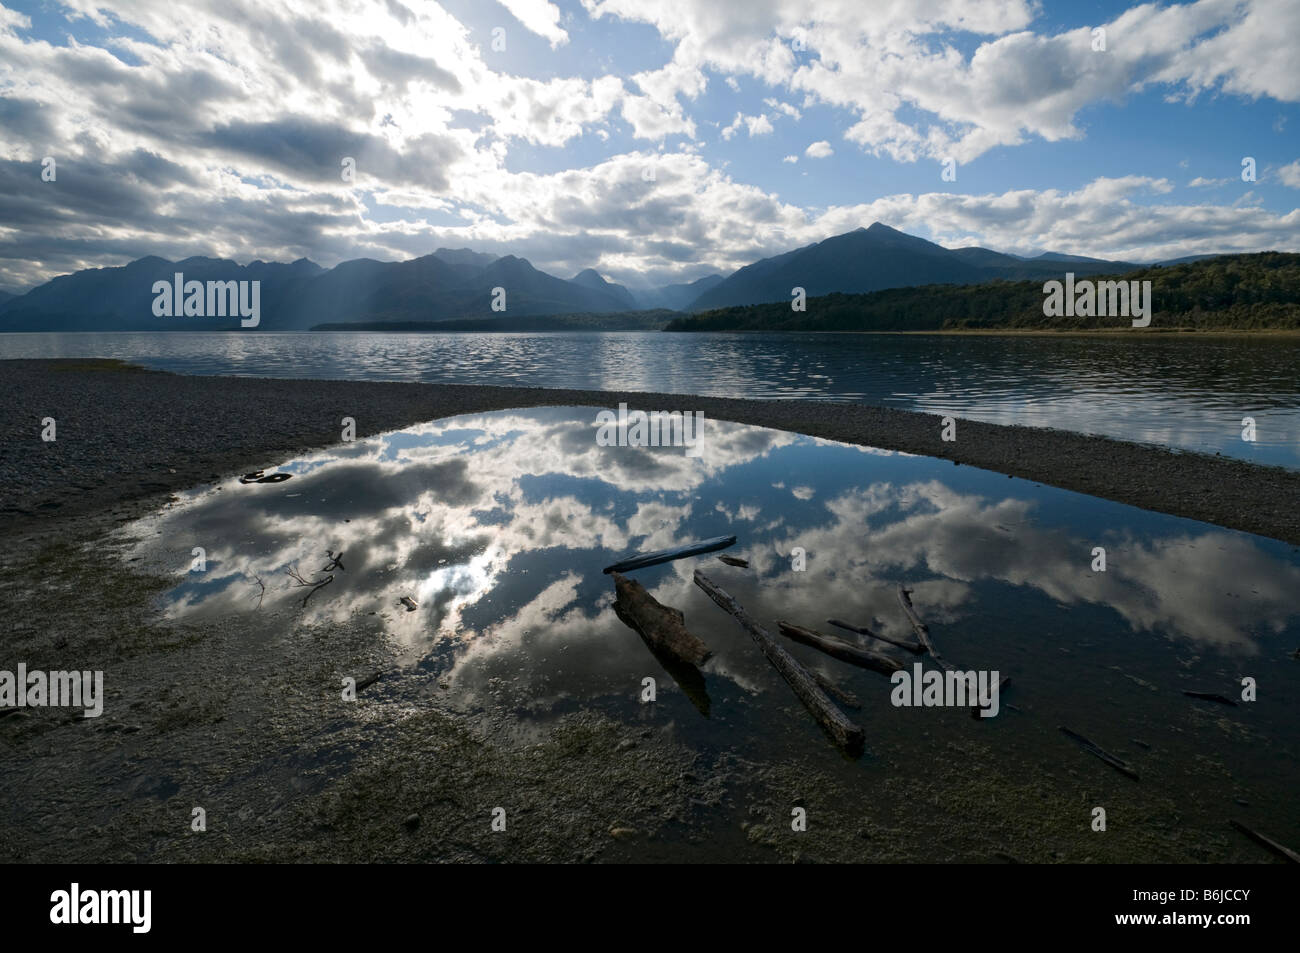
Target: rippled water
[
  {"x": 498, "y": 525},
  {"x": 1185, "y": 392}
]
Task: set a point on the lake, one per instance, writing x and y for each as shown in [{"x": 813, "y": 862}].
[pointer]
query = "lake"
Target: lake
[
  {"x": 497, "y": 527},
  {"x": 1186, "y": 392}
]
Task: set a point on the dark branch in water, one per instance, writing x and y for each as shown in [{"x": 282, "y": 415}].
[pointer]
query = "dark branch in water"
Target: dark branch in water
[
  {"x": 1095, "y": 751},
  {"x": 261, "y": 593},
  {"x": 1211, "y": 697},
  {"x": 914, "y": 647},
  {"x": 667, "y": 555},
  {"x": 920, "y": 628},
  {"x": 838, "y": 648},
  {"x": 336, "y": 560},
  {"x": 1268, "y": 842},
  {"x": 833, "y": 721},
  {"x": 300, "y": 582}
]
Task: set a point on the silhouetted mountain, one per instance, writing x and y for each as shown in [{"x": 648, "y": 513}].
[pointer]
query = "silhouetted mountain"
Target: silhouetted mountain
[
  {"x": 460, "y": 284},
  {"x": 440, "y": 286},
  {"x": 5, "y": 296},
  {"x": 591, "y": 279},
  {"x": 678, "y": 297},
  {"x": 1240, "y": 292},
  {"x": 463, "y": 256},
  {"x": 875, "y": 258}
]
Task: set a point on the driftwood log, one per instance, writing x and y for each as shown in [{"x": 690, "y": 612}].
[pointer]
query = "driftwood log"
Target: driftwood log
[
  {"x": 1268, "y": 842},
  {"x": 841, "y": 649},
  {"x": 1211, "y": 697},
  {"x": 915, "y": 647},
  {"x": 1092, "y": 749},
  {"x": 668, "y": 555},
  {"x": 841, "y": 695},
  {"x": 663, "y": 627},
  {"x": 920, "y": 628},
  {"x": 735, "y": 561},
  {"x": 833, "y": 721}
]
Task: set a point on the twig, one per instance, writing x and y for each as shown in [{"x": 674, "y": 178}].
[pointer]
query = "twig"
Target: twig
[{"x": 262, "y": 594}]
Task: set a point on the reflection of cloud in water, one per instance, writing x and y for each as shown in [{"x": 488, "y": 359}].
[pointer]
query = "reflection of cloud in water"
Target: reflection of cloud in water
[
  {"x": 1175, "y": 585},
  {"x": 498, "y": 524}
]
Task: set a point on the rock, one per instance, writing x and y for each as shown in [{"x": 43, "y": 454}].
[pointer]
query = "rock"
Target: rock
[
  {"x": 412, "y": 821},
  {"x": 622, "y": 833}
]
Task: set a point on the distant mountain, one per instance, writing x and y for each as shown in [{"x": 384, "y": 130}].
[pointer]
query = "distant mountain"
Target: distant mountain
[
  {"x": 463, "y": 256},
  {"x": 459, "y": 284},
  {"x": 1223, "y": 292},
  {"x": 677, "y": 297},
  {"x": 876, "y": 258},
  {"x": 115, "y": 299},
  {"x": 444, "y": 285},
  {"x": 590, "y": 279}
]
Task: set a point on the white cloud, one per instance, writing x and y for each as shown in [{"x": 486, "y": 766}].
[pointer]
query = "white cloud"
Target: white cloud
[
  {"x": 915, "y": 95},
  {"x": 754, "y": 125},
  {"x": 790, "y": 159},
  {"x": 540, "y": 17},
  {"x": 819, "y": 150},
  {"x": 1290, "y": 174},
  {"x": 1203, "y": 183}
]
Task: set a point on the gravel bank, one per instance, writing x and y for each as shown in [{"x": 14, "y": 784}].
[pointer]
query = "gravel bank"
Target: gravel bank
[{"x": 128, "y": 435}]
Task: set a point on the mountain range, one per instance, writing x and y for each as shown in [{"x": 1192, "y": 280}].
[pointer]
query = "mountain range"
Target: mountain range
[{"x": 458, "y": 284}]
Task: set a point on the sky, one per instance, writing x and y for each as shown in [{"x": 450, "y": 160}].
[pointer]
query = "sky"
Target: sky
[{"x": 654, "y": 140}]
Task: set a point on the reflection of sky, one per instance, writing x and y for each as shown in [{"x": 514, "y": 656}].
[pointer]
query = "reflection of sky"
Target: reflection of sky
[{"x": 498, "y": 525}]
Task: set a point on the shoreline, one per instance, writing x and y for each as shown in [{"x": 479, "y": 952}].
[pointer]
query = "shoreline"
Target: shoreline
[{"x": 127, "y": 435}]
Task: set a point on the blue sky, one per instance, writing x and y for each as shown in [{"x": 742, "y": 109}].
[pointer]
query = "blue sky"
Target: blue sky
[{"x": 656, "y": 140}]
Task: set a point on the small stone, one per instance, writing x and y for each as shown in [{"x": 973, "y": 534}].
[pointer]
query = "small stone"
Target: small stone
[
  {"x": 412, "y": 821},
  {"x": 622, "y": 833}
]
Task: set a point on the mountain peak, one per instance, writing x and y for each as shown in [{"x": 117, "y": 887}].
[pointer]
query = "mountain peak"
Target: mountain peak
[{"x": 589, "y": 278}]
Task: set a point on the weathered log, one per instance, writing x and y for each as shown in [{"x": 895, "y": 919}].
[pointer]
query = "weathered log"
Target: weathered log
[
  {"x": 369, "y": 680},
  {"x": 668, "y": 555},
  {"x": 920, "y": 628},
  {"x": 1211, "y": 697},
  {"x": 914, "y": 647},
  {"x": 1002, "y": 684},
  {"x": 1092, "y": 749},
  {"x": 1268, "y": 842},
  {"x": 839, "y": 648},
  {"x": 735, "y": 561},
  {"x": 833, "y": 721},
  {"x": 661, "y": 626},
  {"x": 841, "y": 695}
]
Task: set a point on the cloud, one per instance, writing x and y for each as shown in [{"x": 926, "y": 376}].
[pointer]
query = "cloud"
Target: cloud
[
  {"x": 540, "y": 17},
  {"x": 754, "y": 125},
  {"x": 1290, "y": 175},
  {"x": 819, "y": 150}
]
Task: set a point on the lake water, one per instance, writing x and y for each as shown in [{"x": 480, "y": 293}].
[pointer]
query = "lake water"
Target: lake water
[
  {"x": 498, "y": 525},
  {"x": 1186, "y": 392}
]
